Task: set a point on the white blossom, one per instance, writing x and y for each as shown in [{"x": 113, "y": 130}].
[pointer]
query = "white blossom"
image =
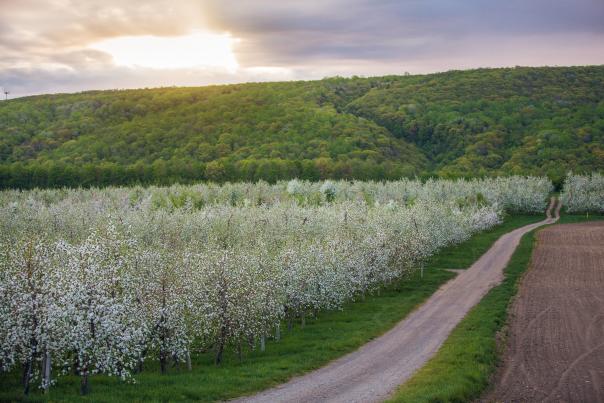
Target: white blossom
[
  {"x": 583, "y": 193},
  {"x": 114, "y": 277}
]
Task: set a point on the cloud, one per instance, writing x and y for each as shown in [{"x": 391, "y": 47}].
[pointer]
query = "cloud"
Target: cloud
[
  {"x": 385, "y": 29},
  {"x": 45, "y": 44}
]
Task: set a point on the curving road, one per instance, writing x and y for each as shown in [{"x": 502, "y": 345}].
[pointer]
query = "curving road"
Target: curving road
[{"x": 371, "y": 373}]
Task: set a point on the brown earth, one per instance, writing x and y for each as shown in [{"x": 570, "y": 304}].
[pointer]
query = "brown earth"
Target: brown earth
[{"x": 555, "y": 347}]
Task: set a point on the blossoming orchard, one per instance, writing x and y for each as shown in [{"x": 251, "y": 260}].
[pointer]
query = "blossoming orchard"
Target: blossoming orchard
[
  {"x": 101, "y": 281},
  {"x": 584, "y": 193}
]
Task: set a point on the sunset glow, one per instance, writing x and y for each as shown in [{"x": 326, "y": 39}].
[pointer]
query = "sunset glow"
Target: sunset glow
[
  {"x": 199, "y": 49},
  {"x": 70, "y": 46}
]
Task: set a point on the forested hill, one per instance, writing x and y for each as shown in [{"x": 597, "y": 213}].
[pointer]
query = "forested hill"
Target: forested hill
[{"x": 459, "y": 123}]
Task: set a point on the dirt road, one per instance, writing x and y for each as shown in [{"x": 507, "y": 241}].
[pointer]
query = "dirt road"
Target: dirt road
[
  {"x": 556, "y": 336},
  {"x": 371, "y": 373}
]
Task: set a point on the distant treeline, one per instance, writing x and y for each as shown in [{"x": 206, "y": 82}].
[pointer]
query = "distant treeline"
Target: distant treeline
[
  {"x": 456, "y": 124},
  {"x": 160, "y": 172}
]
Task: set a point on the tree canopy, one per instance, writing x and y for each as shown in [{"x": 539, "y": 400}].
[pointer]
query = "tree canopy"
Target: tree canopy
[{"x": 459, "y": 123}]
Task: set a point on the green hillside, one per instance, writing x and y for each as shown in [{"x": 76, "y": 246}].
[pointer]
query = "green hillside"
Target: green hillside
[{"x": 460, "y": 123}]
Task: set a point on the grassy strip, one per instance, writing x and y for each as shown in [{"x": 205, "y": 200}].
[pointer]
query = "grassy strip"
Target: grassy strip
[
  {"x": 461, "y": 369},
  {"x": 578, "y": 218},
  {"x": 332, "y": 335},
  {"x": 462, "y": 256}
]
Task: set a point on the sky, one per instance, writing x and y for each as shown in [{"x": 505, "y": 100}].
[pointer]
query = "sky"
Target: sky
[{"x": 50, "y": 46}]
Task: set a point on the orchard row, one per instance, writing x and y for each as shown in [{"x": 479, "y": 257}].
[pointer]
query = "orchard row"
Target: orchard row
[
  {"x": 583, "y": 193},
  {"x": 100, "y": 281}
]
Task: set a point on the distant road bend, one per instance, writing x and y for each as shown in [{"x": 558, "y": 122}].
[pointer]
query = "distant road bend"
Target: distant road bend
[{"x": 374, "y": 371}]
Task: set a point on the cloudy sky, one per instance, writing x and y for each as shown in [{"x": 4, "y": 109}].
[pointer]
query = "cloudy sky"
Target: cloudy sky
[{"x": 73, "y": 45}]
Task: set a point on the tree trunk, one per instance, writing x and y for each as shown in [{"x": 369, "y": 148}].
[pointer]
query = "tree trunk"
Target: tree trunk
[
  {"x": 46, "y": 366},
  {"x": 303, "y": 320},
  {"x": 278, "y": 332},
  {"x": 221, "y": 342},
  {"x": 162, "y": 361},
  {"x": 262, "y": 343},
  {"x": 76, "y": 366},
  {"x": 188, "y": 360},
  {"x": 141, "y": 361},
  {"x": 219, "y": 351},
  {"x": 84, "y": 386},
  {"x": 27, "y": 376}
]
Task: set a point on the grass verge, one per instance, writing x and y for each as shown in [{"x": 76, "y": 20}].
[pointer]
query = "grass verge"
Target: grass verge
[
  {"x": 330, "y": 336},
  {"x": 461, "y": 369},
  {"x": 577, "y": 218}
]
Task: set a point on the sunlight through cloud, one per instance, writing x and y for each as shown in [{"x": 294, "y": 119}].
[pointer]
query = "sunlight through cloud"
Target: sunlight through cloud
[{"x": 198, "y": 49}]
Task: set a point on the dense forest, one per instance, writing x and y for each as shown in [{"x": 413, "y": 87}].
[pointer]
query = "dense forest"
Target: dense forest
[{"x": 460, "y": 123}]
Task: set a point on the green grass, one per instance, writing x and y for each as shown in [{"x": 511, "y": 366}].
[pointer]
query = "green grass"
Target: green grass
[
  {"x": 461, "y": 369},
  {"x": 462, "y": 256},
  {"x": 575, "y": 218},
  {"x": 330, "y": 336}
]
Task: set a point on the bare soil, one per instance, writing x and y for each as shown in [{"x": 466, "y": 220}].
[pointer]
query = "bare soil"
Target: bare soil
[
  {"x": 555, "y": 350},
  {"x": 374, "y": 371}
]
